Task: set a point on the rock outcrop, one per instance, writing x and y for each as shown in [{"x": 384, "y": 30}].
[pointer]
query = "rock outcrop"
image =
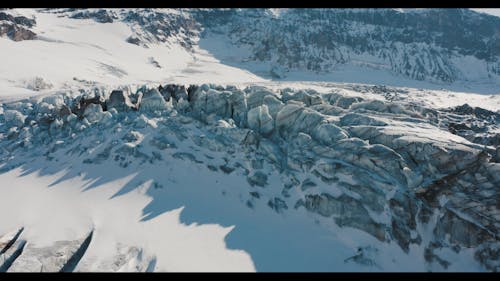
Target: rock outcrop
[{"x": 16, "y": 28}]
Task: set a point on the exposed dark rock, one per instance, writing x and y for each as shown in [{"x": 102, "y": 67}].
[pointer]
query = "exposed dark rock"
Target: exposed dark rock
[
  {"x": 82, "y": 102},
  {"x": 134, "y": 40},
  {"x": 18, "y": 19},
  {"x": 466, "y": 109},
  {"x": 16, "y": 32},
  {"x": 102, "y": 16}
]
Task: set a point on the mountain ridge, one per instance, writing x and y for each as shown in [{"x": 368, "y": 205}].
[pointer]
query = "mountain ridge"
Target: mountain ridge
[{"x": 436, "y": 45}]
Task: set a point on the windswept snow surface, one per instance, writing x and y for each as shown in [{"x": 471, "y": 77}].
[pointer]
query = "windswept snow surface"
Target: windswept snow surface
[
  {"x": 64, "y": 211},
  {"x": 71, "y": 52}
]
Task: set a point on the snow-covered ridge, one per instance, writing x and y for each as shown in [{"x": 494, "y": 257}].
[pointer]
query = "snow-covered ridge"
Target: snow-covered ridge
[
  {"x": 78, "y": 52},
  {"x": 278, "y": 169},
  {"x": 409, "y": 181},
  {"x": 319, "y": 40},
  {"x": 440, "y": 47},
  {"x": 432, "y": 45},
  {"x": 16, "y": 27}
]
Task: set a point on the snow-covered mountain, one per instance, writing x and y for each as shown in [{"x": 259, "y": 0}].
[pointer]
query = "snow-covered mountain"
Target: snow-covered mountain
[
  {"x": 223, "y": 140},
  {"x": 447, "y": 48},
  {"x": 442, "y": 45},
  {"x": 349, "y": 178}
]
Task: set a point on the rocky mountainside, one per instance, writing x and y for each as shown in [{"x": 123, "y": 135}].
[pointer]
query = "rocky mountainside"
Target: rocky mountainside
[
  {"x": 424, "y": 179},
  {"x": 438, "y": 45},
  {"x": 16, "y": 28},
  {"x": 433, "y": 44}
]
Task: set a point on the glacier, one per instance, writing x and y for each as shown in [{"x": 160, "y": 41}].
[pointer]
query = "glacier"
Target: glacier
[
  {"x": 397, "y": 173},
  {"x": 249, "y": 140}
]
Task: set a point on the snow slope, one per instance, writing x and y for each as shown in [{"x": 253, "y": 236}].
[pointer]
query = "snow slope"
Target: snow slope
[
  {"x": 69, "y": 53},
  {"x": 64, "y": 211},
  {"x": 75, "y": 52},
  {"x": 454, "y": 48}
]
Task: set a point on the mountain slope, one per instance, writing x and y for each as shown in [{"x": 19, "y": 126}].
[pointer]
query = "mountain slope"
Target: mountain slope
[
  {"x": 441, "y": 45},
  {"x": 72, "y": 53},
  {"x": 226, "y": 140},
  {"x": 456, "y": 49},
  {"x": 297, "y": 179}
]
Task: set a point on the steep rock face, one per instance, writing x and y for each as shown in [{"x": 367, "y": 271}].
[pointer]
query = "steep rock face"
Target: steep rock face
[
  {"x": 149, "y": 26},
  {"x": 390, "y": 169},
  {"x": 161, "y": 25},
  {"x": 17, "y": 19},
  {"x": 101, "y": 16}
]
